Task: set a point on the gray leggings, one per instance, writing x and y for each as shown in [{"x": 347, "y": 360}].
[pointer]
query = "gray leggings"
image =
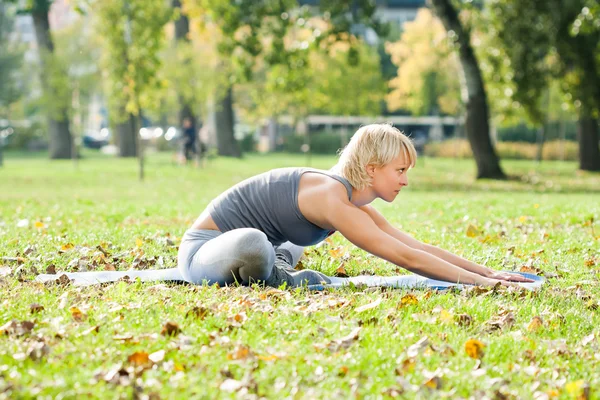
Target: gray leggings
[{"x": 242, "y": 256}]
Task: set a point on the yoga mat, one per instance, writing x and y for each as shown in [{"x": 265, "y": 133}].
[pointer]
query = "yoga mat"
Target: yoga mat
[
  {"x": 413, "y": 282},
  {"x": 173, "y": 275}
]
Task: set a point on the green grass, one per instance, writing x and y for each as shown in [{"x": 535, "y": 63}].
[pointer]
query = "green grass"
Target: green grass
[{"x": 287, "y": 344}]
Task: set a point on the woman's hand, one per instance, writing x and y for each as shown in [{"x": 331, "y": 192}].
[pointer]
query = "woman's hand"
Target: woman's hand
[{"x": 506, "y": 276}]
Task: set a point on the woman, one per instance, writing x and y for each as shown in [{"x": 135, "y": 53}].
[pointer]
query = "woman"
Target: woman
[{"x": 256, "y": 231}]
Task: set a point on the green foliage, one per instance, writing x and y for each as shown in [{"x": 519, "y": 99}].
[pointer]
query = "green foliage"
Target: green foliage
[
  {"x": 132, "y": 33},
  {"x": 188, "y": 72},
  {"x": 10, "y": 63},
  {"x": 427, "y": 78},
  {"x": 325, "y": 83},
  {"x": 541, "y": 41},
  {"x": 343, "y": 88},
  {"x": 75, "y": 74}
]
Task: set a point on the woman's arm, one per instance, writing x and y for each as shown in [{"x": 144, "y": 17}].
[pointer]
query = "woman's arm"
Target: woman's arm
[
  {"x": 360, "y": 229},
  {"x": 445, "y": 255}
]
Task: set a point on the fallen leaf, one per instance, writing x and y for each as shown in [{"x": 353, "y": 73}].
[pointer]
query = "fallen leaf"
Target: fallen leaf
[
  {"x": 197, "y": 312},
  {"x": 231, "y": 385},
  {"x": 51, "y": 269},
  {"x": 170, "y": 329},
  {"x": 446, "y": 317},
  {"x": 408, "y": 299},
  {"x": 472, "y": 231},
  {"x": 77, "y": 314},
  {"x": 435, "y": 382},
  {"x": 139, "y": 242},
  {"x": 530, "y": 270},
  {"x": 588, "y": 339},
  {"x": 139, "y": 358},
  {"x": 157, "y": 356},
  {"x": 368, "y": 306},
  {"x": 500, "y": 321},
  {"x": 37, "y": 350},
  {"x": 590, "y": 262},
  {"x": 66, "y": 247},
  {"x": 345, "y": 342},
  {"x": 17, "y": 328},
  {"x": 578, "y": 389},
  {"x": 474, "y": 348},
  {"x": 340, "y": 272},
  {"x": 35, "y": 308},
  {"x": 418, "y": 347},
  {"x": 535, "y": 324},
  {"x": 406, "y": 367},
  {"x": 464, "y": 319},
  {"x": 39, "y": 224},
  {"x": 337, "y": 251},
  {"x": 240, "y": 353},
  {"x": 270, "y": 357},
  {"x": 94, "y": 329}
]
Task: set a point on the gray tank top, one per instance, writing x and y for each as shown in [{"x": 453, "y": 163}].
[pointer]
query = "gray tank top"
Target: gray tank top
[{"x": 269, "y": 202}]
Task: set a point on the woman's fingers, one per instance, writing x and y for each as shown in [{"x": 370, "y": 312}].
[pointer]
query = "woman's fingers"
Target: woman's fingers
[{"x": 517, "y": 278}]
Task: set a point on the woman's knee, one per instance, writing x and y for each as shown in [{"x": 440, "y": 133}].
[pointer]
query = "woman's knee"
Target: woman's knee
[{"x": 256, "y": 254}]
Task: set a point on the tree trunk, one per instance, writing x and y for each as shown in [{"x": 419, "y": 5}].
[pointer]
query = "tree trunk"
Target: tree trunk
[
  {"x": 541, "y": 137},
  {"x": 477, "y": 112},
  {"x": 59, "y": 136},
  {"x": 127, "y": 137},
  {"x": 182, "y": 29},
  {"x": 226, "y": 143},
  {"x": 587, "y": 136}
]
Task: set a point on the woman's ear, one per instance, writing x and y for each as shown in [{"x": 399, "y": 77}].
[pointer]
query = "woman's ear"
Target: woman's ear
[{"x": 370, "y": 169}]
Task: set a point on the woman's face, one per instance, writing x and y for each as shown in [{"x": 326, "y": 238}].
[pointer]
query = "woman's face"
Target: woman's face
[{"x": 388, "y": 180}]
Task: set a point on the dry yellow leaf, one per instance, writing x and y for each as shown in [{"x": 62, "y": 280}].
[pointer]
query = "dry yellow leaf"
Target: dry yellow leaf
[
  {"x": 535, "y": 324},
  {"x": 474, "y": 348},
  {"x": 67, "y": 246},
  {"x": 39, "y": 224},
  {"x": 407, "y": 366},
  {"x": 408, "y": 299},
  {"x": 77, "y": 314},
  {"x": 270, "y": 357},
  {"x": 240, "y": 353},
  {"x": 337, "y": 252},
  {"x": 139, "y": 242},
  {"x": 578, "y": 389},
  {"x": 340, "y": 272},
  {"x": 139, "y": 358},
  {"x": 472, "y": 231},
  {"x": 446, "y": 317},
  {"x": 434, "y": 382}
]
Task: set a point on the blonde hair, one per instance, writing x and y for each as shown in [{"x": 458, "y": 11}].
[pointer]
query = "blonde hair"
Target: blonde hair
[{"x": 377, "y": 144}]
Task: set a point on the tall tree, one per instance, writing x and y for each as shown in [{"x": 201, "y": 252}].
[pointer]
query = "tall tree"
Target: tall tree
[
  {"x": 57, "y": 111},
  {"x": 10, "y": 62},
  {"x": 426, "y": 79},
  {"x": 133, "y": 34},
  {"x": 252, "y": 29},
  {"x": 182, "y": 30},
  {"x": 477, "y": 113},
  {"x": 555, "y": 39}
]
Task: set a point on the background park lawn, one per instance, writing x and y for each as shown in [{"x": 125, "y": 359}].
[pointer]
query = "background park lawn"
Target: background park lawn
[{"x": 114, "y": 340}]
